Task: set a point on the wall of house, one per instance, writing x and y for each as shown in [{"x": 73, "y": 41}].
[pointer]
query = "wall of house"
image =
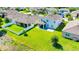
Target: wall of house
[
  {"x": 22, "y": 24},
  {"x": 51, "y": 24},
  {"x": 70, "y": 35}
]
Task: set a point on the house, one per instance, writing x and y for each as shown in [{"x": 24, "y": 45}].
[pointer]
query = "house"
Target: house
[
  {"x": 75, "y": 14},
  {"x": 71, "y": 30},
  {"x": 14, "y": 15},
  {"x": 51, "y": 10},
  {"x": 20, "y": 8},
  {"x": 2, "y": 11},
  {"x": 63, "y": 12},
  {"x": 23, "y": 20},
  {"x": 51, "y": 21}
]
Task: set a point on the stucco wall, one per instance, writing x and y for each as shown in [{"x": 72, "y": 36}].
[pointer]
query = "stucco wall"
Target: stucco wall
[{"x": 51, "y": 24}]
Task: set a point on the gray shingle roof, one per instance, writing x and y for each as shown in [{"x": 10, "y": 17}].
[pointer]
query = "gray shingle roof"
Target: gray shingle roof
[
  {"x": 74, "y": 13},
  {"x": 54, "y": 17},
  {"x": 72, "y": 27},
  {"x": 22, "y": 18}
]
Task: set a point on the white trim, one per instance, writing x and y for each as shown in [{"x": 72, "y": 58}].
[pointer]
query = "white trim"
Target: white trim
[{"x": 50, "y": 30}]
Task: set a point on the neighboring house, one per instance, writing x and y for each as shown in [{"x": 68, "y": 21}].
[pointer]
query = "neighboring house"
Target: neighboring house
[
  {"x": 20, "y": 8},
  {"x": 23, "y": 20},
  {"x": 51, "y": 21},
  {"x": 14, "y": 15},
  {"x": 63, "y": 12},
  {"x": 35, "y": 8},
  {"x": 75, "y": 14},
  {"x": 51, "y": 10},
  {"x": 71, "y": 30},
  {"x": 4, "y": 9}
]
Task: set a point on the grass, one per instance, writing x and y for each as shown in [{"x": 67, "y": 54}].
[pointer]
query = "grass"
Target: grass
[
  {"x": 33, "y": 40},
  {"x": 15, "y": 28},
  {"x": 38, "y": 39},
  {"x": 77, "y": 18}
]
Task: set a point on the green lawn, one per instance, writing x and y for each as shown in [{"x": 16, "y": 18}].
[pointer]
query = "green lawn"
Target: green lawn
[
  {"x": 77, "y": 18},
  {"x": 38, "y": 39},
  {"x": 15, "y": 28}
]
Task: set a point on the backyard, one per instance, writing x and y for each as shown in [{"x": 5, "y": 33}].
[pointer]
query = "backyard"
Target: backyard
[
  {"x": 15, "y": 28},
  {"x": 38, "y": 39}
]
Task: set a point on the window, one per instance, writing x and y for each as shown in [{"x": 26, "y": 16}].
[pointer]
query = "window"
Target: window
[{"x": 67, "y": 34}]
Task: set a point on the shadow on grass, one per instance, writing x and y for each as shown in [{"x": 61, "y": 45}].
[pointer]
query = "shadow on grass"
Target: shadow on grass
[
  {"x": 25, "y": 34},
  {"x": 3, "y": 32},
  {"x": 31, "y": 28},
  {"x": 72, "y": 39},
  {"x": 60, "y": 27},
  {"x": 58, "y": 46}
]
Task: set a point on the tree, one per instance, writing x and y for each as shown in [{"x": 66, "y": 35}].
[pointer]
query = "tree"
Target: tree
[
  {"x": 68, "y": 14},
  {"x": 72, "y": 9},
  {"x": 7, "y": 20},
  {"x": 34, "y": 12},
  {"x": 26, "y": 10},
  {"x": 70, "y": 18},
  {"x": 54, "y": 12},
  {"x": 42, "y": 11},
  {"x": 0, "y": 22}
]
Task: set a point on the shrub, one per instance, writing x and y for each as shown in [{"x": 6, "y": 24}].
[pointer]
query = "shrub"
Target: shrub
[
  {"x": 72, "y": 9},
  {"x": 70, "y": 18}
]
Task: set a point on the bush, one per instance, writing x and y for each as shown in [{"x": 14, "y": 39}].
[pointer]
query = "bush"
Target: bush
[
  {"x": 7, "y": 20},
  {"x": 68, "y": 15},
  {"x": 70, "y": 18},
  {"x": 72, "y": 9}
]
